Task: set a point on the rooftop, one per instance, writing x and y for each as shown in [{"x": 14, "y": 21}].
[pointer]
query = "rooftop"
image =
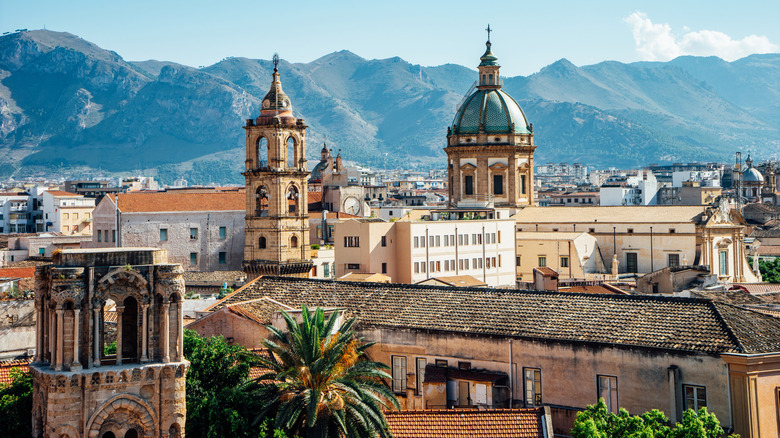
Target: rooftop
[
  {"x": 608, "y": 214},
  {"x": 653, "y": 322},
  {"x": 467, "y": 423},
  {"x": 147, "y": 202},
  {"x": 7, "y": 366}
]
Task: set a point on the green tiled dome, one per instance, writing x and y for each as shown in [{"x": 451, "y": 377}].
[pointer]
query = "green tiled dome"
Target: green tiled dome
[{"x": 490, "y": 111}]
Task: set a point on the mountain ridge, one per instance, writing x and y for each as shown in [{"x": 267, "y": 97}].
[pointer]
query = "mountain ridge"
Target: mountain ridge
[{"x": 66, "y": 103}]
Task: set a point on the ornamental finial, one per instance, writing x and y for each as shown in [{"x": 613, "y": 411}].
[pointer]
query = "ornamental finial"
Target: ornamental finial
[
  {"x": 488, "y": 31},
  {"x": 276, "y": 61}
]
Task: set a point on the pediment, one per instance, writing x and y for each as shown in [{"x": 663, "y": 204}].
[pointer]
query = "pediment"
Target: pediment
[
  {"x": 498, "y": 167},
  {"x": 468, "y": 167}
]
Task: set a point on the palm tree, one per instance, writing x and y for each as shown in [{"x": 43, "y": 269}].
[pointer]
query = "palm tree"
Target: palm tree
[{"x": 318, "y": 384}]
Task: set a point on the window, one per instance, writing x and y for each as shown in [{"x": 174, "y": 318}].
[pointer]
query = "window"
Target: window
[
  {"x": 469, "y": 183},
  {"x": 66, "y": 215},
  {"x": 416, "y": 267},
  {"x": 446, "y": 265},
  {"x": 41, "y": 252},
  {"x": 466, "y": 263},
  {"x": 399, "y": 374},
  {"x": 446, "y": 240},
  {"x": 672, "y": 231},
  {"x": 564, "y": 261},
  {"x": 163, "y": 235},
  {"x": 591, "y": 230},
  {"x": 460, "y": 264},
  {"x": 222, "y": 258},
  {"x": 695, "y": 397},
  {"x": 193, "y": 233},
  {"x": 222, "y": 232},
  {"x": 441, "y": 362},
  {"x": 630, "y": 231},
  {"x": 384, "y": 240},
  {"x": 499, "y": 237},
  {"x": 421, "y": 364},
  {"x": 542, "y": 261},
  {"x": 99, "y": 236},
  {"x": 631, "y": 262},
  {"x": 464, "y": 365},
  {"x": 416, "y": 242},
  {"x": 460, "y": 239},
  {"x": 674, "y": 260},
  {"x": 105, "y": 233},
  {"x": 724, "y": 263},
  {"x": 384, "y": 268},
  {"x": 422, "y": 266},
  {"x": 75, "y": 216},
  {"x": 608, "y": 390},
  {"x": 532, "y": 378},
  {"x": 261, "y": 243},
  {"x": 438, "y": 240},
  {"x": 522, "y": 184},
  {"x": 326, "y": 270},
  {"x": 113, "y": 235},
  {"x": 518, "y": 261},
  {"x": 430, "y": 242},
  {"x": 438, "y": 266},
  {"x": 193, "y": 258},
  {"x": 351, "y": 241},
  {"x": 353, "y": 265},
  {"x": 64, "y": 228},
  {"x": 498, "y": 184}
]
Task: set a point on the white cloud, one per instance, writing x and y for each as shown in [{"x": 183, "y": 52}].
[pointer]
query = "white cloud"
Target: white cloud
[{"x": 656, "y": 42}]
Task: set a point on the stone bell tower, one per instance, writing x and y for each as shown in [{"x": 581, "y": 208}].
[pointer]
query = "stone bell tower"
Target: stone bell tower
[
  {"x": 84, "y": 301},
  {"x": 277, "y": 216}
]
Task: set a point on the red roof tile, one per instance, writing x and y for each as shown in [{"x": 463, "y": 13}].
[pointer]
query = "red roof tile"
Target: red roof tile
[
  {"x": 467, "y": 423},
  {"x": 147, "y": 202},
  {"x": 17, "y": 272},
  {"x": 7, "y": 366},
  {"x": 61, "y": 193}
]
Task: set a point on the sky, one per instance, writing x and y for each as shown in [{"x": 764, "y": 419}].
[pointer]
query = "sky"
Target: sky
[{"x": 526, "y": 35}]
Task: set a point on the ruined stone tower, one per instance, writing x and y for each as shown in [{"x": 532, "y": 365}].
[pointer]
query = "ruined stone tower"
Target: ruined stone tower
[
  {"x": 277, "y": 217},
  {"x": 84, "y": 301}
]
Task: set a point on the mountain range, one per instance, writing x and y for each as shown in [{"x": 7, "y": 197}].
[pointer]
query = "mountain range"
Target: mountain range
[{"x": 72, "y": 108}]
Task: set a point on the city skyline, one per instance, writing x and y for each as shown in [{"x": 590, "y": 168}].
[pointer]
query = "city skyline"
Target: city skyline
[{"x": 527, "y": 37}]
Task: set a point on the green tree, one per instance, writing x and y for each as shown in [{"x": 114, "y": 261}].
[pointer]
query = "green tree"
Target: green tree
[
  {"x": 318, "y": 384},
  {"x": 770, "y": 270},
  {"x": 597, "y": 422},
  {"x": 16, "y": 405},
  {"x": 218, "y": 404}
]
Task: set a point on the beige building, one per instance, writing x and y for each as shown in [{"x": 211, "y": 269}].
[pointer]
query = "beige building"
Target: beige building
[
  {"x": 649, "y": 238},
  {"x": 79, "y": 390},
  {"x": 412, "y": 251},
  {"x": 571, "y": 255},
  {"x": 67, "y": 213},
  {"x": 201, "y": 230},
  {"x": 559, "y": 350}
]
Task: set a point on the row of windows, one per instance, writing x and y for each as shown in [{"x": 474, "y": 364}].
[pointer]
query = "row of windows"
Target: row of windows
[
  {"x": 498, "y": 184},
  {"x": 193, "y": 233},
  {"x": 463, "y": 265},
  {"x": 694, "y": 396},
  {"x": 221, "y": 258},
  {"x": 102, "y": 235},
  {"x": 593, "y": 230},
  {"x": 449, "y": 240},
  {"x": 75, "y": 215},
  {"x": 75, "y": 228}
]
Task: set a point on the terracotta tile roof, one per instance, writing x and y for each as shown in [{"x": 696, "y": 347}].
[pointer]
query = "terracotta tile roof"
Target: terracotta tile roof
[
  {"x": 458, "y": 281},
  {"x": 14, "y": 194},
  {"x": 17, "y": 272},
  {"x": 214, "y": 277},
  {"x": 146, "y": 202},
  {"x": 547, "y": 272},
  {"x": 467, "y": 423},
  {"x": 769, "y": 250},
  {"x": 593, "y": 289},
  {"x": 737, "y": 297},
  {"x": 63, "y": 194},
  {"x": 617, "y": 214},
  {"x": 6, "y": 366},
  {"x": 758, "y": 288},
  {"x": 655, "y": 322}
]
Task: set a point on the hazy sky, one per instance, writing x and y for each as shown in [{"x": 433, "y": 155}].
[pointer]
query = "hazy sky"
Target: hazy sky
[{"x": 527, "y": 35}]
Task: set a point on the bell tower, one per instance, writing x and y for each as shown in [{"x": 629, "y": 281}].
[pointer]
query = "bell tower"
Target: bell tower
[{"x": 277, "y": 217}]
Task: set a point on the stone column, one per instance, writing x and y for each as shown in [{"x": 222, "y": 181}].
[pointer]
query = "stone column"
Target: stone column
[
  {"x": 76, "y": 337},
  {"x": 119, "y": 311},
  {"x": 164, "y": 333},
  {"x": 96, "y": 337},
  {"x": 46, "y": 328},
  {"x": 144, "y": 334},
  {"x": 52, "y": 338},
  {"x": 39, "y": 332},
  {"x": 60, "y": 337},
  {"x": 180, "y": 335}
]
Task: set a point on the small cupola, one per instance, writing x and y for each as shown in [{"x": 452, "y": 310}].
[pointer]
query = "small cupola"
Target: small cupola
[
  {"x": 488, "y": 67},
  {"x": 276, "y": 100}
]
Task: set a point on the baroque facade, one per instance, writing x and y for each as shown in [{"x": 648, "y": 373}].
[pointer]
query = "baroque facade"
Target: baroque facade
[
  {"x": 490, "y": 146},
  {"x": 79, "y": 390},
  {"x": 277, "y": 217}
]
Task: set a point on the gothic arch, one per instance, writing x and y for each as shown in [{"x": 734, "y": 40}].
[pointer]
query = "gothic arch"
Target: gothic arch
[
  {"x": 118, "y": 410},
  {"x": 131, "y": 280},
  {"x": 262, "y": 147},
  {"x": 293, "y": 193}
]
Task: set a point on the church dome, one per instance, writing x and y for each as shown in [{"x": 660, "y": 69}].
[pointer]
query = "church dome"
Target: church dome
[
  {"x": 751, "y": 174},
  {"x": 491, "y": 111}
]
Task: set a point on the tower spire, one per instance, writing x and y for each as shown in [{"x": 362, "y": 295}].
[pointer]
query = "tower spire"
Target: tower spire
[{"x": 488, "y": 31}]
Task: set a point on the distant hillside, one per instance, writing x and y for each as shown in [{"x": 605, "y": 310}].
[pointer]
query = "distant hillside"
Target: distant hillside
[{"x": 71, "y": 107}]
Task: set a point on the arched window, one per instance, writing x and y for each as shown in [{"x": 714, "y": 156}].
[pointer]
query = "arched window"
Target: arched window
[
  {"x": 261, "y": 242},
  {"x": 293, "y": 199},
  {"x": 130, "y": 330},
  {"x": 108, "y": 334},
  {"x": 294, "y": 241},
  {"x": 483, "y": 79},
  {"x": 490, "y": 78},
  {"x": 291, "y": 159},
  {"x": 262, "y": 153},
  {"x": 261, "y": 201}
]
